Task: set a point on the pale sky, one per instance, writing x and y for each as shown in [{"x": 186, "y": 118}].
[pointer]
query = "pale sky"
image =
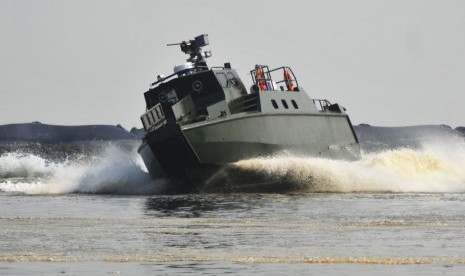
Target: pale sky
[{"x": 390, "y": 62}]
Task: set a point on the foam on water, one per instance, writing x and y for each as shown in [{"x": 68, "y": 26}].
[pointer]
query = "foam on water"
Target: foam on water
[
  {"x": 245, "y": 260},
  {"x": 114, "y": 171},
  {"x": 436, "y": 167},
  {"x": 24, "y": 165}
]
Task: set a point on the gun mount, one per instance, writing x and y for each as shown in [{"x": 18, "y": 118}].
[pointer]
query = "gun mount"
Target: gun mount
[{"x": 194, "y": 50}]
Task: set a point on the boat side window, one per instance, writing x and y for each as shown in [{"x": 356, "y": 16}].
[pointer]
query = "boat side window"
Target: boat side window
[
  {"x": 285, "y": 104},
  {"x": 275, "y": 105},
  {"x": 222, "y": 79},
  {"x": 294, "y": 104},
  {"x": 232, "y": 79}
]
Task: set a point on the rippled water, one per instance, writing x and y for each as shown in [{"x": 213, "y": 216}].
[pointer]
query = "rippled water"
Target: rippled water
[
  {"x": 236, "y": 231},
  {"x": 400, "y": 211}
]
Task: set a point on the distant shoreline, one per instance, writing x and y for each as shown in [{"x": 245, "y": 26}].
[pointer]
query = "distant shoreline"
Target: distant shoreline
[
  {"x": 45, "y": 133},
  {"x": 53, "y": 134}
]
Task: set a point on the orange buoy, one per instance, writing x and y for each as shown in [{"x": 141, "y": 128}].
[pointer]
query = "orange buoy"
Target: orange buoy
[
  {"x": 260, "y": 78},
  {"x": 288, "y": 80}
]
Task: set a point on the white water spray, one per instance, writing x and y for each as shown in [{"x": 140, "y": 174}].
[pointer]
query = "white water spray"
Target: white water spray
[
  {"x": 114, "y": 171},
  {"x": 437, "y": 167}
]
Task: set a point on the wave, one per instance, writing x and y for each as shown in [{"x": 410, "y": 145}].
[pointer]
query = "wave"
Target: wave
[
  {"x": 240, "y": 260},
  {"x": 435, "y": 167},
  {"x": 113, "y": 171}
]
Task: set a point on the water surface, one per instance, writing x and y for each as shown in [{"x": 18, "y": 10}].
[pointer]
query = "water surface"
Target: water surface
[{"x": 398, "y": 211}]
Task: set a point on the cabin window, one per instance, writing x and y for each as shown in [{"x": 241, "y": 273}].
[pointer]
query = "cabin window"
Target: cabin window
[
  {"x": 232, "y": 79},
  {"x": 275, "y": 105},
  {"x": 168, "y": 97},
  {"x": 294, "y": 104},
  {"x": 285, "y": 104},
  {"x": 222, "y": 79}
]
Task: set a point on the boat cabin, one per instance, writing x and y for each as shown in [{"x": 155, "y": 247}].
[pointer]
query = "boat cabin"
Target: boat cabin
[{"x": 195, "y": 92}]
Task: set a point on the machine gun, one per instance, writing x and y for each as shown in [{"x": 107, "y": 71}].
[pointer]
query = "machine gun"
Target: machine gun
[
  {"x": 196, "y": 60},
  {"x": 194, "y": 50}
]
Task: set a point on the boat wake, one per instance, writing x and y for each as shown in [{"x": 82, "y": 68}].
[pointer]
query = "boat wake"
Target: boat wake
[
  {"x": 436, "y": 167},
  {"x": 113, "y": 171}
]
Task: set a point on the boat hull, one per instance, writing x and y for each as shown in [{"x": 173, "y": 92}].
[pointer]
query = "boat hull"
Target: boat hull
[{"x": 196, "y": 151}]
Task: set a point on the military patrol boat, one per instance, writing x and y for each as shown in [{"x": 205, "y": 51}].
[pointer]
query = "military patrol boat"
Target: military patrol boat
[{"x": 200, "y": 118}]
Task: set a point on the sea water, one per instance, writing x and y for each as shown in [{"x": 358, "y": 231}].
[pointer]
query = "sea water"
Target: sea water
[{"x": 393, "y": 211}]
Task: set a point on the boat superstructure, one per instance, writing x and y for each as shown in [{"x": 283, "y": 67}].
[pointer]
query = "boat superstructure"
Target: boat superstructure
[{"x": 200, "y": 118}]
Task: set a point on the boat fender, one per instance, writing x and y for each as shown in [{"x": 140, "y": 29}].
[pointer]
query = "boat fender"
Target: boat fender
[{"x": 288, "y": 79}]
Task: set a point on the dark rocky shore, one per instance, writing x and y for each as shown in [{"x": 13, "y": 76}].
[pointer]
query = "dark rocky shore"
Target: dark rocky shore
[
  {"x": 60, "y": 142},
  {"x": 53, "y": 134},
  {"x": 375, "y": 138}
]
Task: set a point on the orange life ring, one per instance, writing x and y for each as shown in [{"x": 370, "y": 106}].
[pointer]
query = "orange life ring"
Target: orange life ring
[
  {"x": 260, "y": 78},
  {"x": 288, "y": 79}
]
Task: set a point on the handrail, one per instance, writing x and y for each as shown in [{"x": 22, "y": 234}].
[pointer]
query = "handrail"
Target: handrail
[
  {"x": 268, "y": 79},
  {"x": 322, "y": 104},
  {"x": 154, "y": 118},
  {"x": 163, "y": 79},
  {"x": 203, "y": 68}
]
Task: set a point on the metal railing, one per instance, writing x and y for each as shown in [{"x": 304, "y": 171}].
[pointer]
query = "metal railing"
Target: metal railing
[
  {"x": 268, "y": 79},
  {"x": 154, "y": 118},
  {"x": 321, "y": 104}
]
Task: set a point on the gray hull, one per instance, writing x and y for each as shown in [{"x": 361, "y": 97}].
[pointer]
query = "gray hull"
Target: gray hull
[
  {"x": 196, "y": 151},
  {"x": 233, "y": 139}
]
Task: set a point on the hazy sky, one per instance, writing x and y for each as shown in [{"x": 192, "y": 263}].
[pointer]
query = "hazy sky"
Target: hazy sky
[{"x": 390, "y": 62}]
